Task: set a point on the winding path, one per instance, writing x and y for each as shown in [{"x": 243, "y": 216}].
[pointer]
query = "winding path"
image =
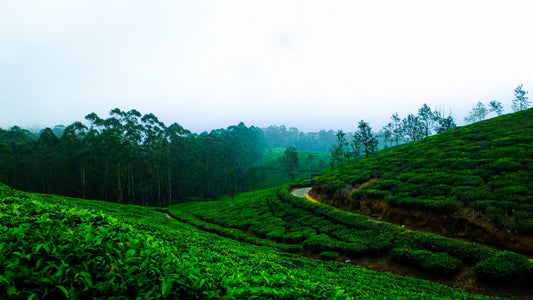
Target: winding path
[{"x": 303, "y": 193}]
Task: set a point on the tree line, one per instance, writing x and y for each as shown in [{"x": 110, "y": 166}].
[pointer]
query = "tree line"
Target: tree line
[
  {"x": 280, "y": 136},
  {"x": 480, "y": 111},
  {"x": 131, "y": 158}
]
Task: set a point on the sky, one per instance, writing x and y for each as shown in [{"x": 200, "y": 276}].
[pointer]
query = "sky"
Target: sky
[{"x": 307, "y": 64}]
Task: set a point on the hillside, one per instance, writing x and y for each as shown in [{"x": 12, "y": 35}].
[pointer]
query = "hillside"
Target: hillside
[
  {"x": 271, "y": 171},
  {"x": 56, "y": 248},
  {"x": 472, "y": 182}
]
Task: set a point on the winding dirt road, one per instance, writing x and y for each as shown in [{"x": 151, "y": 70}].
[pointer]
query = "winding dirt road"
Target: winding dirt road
[{"x": 303, "y": 193}]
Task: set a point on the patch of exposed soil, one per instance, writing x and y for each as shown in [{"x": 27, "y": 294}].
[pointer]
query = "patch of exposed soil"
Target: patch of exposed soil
[{"x": 466, "y": 224}]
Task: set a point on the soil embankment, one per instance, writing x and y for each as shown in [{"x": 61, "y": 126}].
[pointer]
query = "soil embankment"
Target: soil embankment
[
  {"x": 466, "y": 223},
  {"x": 420, "y": 221}
]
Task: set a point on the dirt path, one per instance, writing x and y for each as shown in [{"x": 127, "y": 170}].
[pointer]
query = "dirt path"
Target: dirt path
[{"x": 303, "y": 193}]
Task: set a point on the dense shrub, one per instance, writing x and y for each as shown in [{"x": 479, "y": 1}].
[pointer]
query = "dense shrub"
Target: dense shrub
[
  {"x": 467, "y": 252},
  {"x": 505, "y": 267},
  {"x": 328, "y": 255},
  {"x": 440, "y": 204},
  {"x": 506, "y": 164},
  {"x": 434, "y": 262}
]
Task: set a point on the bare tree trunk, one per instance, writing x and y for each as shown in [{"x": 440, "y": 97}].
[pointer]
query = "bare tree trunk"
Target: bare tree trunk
[{"x": 83, "y": 183}]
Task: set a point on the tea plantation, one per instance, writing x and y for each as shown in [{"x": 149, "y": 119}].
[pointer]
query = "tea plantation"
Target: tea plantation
[
  {"x": 486, "y": 166},
  {"x": 62, "y": 248}
]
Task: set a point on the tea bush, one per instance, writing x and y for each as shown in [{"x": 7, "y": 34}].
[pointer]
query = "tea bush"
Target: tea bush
[
  {"x": 434, "y": 262},
  {"x": 505, "y": 267}
]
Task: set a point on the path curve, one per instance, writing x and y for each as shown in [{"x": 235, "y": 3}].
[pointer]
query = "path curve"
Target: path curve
[{"x": 303, "y": 193}]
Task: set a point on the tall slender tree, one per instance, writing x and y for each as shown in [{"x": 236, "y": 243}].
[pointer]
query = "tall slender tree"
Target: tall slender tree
[
  {"x": 366, "y": 138},
  {"x": 290, "y": 157},
  {"x": 520, "y": 102},
  {"x": 427, "y": 117}
]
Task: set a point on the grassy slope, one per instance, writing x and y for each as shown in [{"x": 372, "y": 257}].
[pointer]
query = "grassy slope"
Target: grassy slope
[
  {"x": 56, "y": 247},
  {"x": 272, "y": 171},
  {"x": 486, "y": 166}
]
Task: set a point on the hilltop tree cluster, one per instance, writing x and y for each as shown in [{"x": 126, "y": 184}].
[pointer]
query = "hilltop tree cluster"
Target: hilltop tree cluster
[
  {"x": 480, "y": 111},
  {"x": 364, "y": 142},
  {"x": 130, "y": 158},
  {"x": 413, "y": 128}
]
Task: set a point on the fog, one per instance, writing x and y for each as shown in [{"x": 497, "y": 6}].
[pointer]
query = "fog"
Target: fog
[{"x": 306, "y": 64}]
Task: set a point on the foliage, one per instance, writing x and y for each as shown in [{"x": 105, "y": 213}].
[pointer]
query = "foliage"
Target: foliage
[
  {"x": 413, "y": 127},
  {"x": 486, "y": 166},
  {"x": 427, "y": 117},
  {"x": 328, "y": 255},
  {"x": 132, "y": 158},
  {"x": 365, "y": 138},
  {"x": 520, "y": 102},
  {"x": 478, "y": 113},
  {"x": 271, "y": 170},
  {"x": 283, "y": 137},
  {"x": 505, "y": 267},
  {"x": 496, "y": 106},
  {"x": 434, "y": 262},
  {"x": 290, "y": 157},
  {"x": 56, "y": 247}
]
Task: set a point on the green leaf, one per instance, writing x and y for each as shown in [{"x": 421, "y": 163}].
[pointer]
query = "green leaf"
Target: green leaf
[
  {"x": 4, "y": 279},
  {"x": 12, "y": 290},
  {"x": 87, "y": 277},
  {"x": 64, "y": 290},
  {"x": 165, "y": 285}
]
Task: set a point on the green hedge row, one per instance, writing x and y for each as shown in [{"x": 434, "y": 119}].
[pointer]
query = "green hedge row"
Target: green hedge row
[
  {"x": 505, "y": 267},
  {"x": 433, "y": 262}
]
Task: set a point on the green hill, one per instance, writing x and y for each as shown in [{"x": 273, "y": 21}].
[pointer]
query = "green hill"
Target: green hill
[
  {"x": 473, "y": 182},
  {"x": 271, "y": 171},
  {"x": 56, "y": 247},
  {"x": 266, "y": 243}
]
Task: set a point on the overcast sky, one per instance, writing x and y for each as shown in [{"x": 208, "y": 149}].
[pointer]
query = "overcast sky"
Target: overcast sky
[{"x": 308, "y": 64}]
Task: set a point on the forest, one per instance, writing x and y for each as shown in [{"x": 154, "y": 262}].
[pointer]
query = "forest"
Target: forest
[{"x": 137, "y": 159}]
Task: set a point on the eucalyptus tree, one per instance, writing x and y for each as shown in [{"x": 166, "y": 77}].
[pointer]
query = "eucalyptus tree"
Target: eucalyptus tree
[
  {"x": 387, "y": 133},
  {"x": 365, "y": 138},
  {"x": 338, "y": 153},
  {"x": 45, "y": 165},
  {"x": 478, "y": 113},
  {"x": 74, "y": 152},
  {"x": 427, "y": 118},
  {"x": 443, "y": 123},
  {"x": 290, "y": 157},
  {"x": 397, "y": 130},
  {"x": 413, "y": 127},
  {"x": 520, "y": 102},
  {"x": 496, "y": 106}
]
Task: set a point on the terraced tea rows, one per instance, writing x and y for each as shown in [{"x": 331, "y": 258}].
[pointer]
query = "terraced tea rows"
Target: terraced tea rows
[{"x": 279, "y": 219}]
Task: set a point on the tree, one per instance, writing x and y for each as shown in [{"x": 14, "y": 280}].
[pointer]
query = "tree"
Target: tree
[
  {"x": 397, "y": 132},
  {"x": 413, "y": 127},
  {"x": 443, "y": 123},
  {"x": 338, "y": 153},
  {"x": 291, "y": 159},
  {"x": 478, "y": 113},
  {"x": 387, "y": 133},
  {"x": 520, "y": 102},
  {"x": 427, "y": 117},
  {"x": 365, "y": 138},
  {"x": 496, "y": 106}
]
